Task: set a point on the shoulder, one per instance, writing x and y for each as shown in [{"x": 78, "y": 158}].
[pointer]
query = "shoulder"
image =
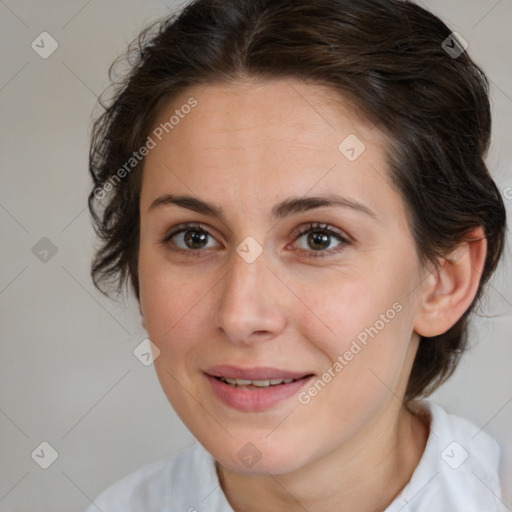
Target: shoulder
[
  {"x": 177, "y": 482},
  {"x": 459, "y": 469}
]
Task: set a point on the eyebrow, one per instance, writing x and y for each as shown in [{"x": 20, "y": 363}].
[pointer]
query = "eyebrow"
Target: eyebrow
[{"x": 290, "y": 206}]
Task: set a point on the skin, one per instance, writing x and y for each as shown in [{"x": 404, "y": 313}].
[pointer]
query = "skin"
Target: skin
[{"x": 247, "y": 146}]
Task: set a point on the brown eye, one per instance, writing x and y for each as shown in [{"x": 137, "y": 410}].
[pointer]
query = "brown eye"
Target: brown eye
[
  {"x": 188, "y": 238},
  {"x": 319, "y": 239},
  {"x": 195, "y": 239}
]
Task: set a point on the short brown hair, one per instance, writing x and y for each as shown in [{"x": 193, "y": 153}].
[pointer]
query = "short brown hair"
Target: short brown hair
[{"x": 386, "y": 56}]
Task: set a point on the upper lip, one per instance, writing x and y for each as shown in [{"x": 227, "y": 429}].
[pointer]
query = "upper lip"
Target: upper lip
[{"x": 254, "y": 373}]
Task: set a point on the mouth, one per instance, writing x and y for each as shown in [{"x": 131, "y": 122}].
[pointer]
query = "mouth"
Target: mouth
[
  {"x": 255, "y": 389},
  {"x": 257, "y": 384}
]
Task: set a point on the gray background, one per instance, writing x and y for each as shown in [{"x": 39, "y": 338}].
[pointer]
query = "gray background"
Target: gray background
[{"x": 68, "y": 375}]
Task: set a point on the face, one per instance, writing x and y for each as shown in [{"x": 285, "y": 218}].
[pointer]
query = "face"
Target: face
[{"x": 282, "y": 321}]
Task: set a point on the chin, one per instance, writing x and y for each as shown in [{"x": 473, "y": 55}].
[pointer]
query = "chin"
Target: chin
[{"x": 257, "y": 457}]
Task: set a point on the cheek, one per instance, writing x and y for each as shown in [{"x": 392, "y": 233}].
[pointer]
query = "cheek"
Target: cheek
[
  {"x": 340, "y": 308},
  {"x": 171, "y": 301},
  {"x": 362, "y": 323}
]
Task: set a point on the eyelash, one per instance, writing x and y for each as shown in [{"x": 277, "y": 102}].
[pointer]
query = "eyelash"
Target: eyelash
[{"x": 310, "y": 228}]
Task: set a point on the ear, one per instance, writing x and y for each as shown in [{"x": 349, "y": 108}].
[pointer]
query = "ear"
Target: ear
[
  {"x": 143, "y": 319},
  {"x": 449, "y": 290}
]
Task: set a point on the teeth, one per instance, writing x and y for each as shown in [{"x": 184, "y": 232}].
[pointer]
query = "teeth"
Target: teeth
[
  {"x": 260, "y": 383},
  {"x": 256, "y": 383},
  {"x": 241, "y": 382}
]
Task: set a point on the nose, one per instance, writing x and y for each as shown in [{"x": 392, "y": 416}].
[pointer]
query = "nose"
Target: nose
[{"x": 251, "y": 305}]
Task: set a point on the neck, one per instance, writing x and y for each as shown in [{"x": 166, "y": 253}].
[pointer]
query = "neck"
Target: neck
[{"x": 365, "y": 475}]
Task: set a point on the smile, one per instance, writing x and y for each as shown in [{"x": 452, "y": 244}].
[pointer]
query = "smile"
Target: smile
[
  {"x": 254, "y": 389},
  {"x": 254, "y": 384}
]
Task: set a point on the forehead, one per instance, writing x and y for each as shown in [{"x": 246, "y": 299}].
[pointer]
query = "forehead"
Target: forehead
[
  {"x": 303, "y": 113},
  {"x": 272, "y": 138}
]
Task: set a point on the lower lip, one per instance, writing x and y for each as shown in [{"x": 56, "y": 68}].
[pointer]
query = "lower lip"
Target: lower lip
[{"x": 255, "y": 399}]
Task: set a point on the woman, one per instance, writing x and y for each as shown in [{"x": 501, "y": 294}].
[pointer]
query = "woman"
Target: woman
[{"x": 297, "y": 194}]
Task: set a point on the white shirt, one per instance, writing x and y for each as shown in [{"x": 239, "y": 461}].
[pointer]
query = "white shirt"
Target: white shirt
[{"x": 458, "y": 472}]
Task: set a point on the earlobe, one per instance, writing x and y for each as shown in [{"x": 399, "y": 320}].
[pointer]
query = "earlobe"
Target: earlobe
[{"x": 450, "y": 289}]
